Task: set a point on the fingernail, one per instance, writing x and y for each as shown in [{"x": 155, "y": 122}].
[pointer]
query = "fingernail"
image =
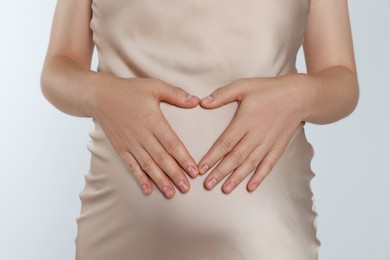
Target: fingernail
[
  {"x": 192, "y": 171},
  {"x": 183, "y": 186},
  {"x": 189, "y": 97},
  {"x": 146, "y": 189},
  {"x": 208, "y": 100},
  {"x": 230, "y": 187},
  {"x": 204, "y": 169},
  {"x": 168, "y": 192},
  {"x": 211, "y": 183},
  {"x": 253, "y": 186}
]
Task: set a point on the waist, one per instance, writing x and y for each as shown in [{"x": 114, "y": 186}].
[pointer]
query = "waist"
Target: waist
[{"x": 286, "y": 188}]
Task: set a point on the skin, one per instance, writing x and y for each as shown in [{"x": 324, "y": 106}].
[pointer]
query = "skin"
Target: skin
[
  {"x": 271, "y": 108},
  {"x": 151, "y": 149},
  {"x": 269, "y": 111}
]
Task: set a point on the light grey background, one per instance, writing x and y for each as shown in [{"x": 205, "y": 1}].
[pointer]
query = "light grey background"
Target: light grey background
[{"x": 44, "y": 157}]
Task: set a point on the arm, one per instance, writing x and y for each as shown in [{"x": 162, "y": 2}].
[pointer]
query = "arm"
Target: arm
[
  {"x": 66, "y": 79},
  {"x": 270, "y": 109},
  {"x": 331, "y": 89},
  {"x": 150, "y": 148}
]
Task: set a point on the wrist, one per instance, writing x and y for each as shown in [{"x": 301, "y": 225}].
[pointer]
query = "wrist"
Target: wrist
[
  {"x": 304, "y": 93},
  {"x": 96, "y": 86}
]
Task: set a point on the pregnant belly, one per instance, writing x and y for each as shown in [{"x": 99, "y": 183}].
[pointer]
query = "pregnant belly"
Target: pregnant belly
[
  {"x": 116, "y": 211},
  {"x": 197, "y": 127}
]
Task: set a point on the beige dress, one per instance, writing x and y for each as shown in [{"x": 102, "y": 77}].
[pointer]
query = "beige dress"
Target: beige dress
[{"x": 198, "y": 45}]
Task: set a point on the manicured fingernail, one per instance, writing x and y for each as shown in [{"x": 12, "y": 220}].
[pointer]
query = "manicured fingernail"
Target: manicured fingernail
[
  {"x": 211, "y": 183},
  {"x": 208, "y": 100},
  {"x": 146, "y": 189},
  {"x": 204, "y": 169},
  {"x": 230, "y": 187},
  {"x": 168, "y": 192},
  {"x": 183, "y": 186},
  {"x": 192, "y": 171},
  {"x": 253, "y": 186}
]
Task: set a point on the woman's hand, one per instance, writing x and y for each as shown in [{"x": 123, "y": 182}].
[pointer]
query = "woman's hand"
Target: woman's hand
[
  {"x": 269, "y": 111},
  {"x": 271, "y": 108},
  {"x": 129, "y": 113}
]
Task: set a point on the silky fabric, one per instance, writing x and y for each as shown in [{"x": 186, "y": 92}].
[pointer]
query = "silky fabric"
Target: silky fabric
[{"x": 198, "y": 45}]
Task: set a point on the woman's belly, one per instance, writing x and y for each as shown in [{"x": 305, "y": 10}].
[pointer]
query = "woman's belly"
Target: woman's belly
[
  {"x": 116, "y": 210},
  {"x": 198, "y": 127}
]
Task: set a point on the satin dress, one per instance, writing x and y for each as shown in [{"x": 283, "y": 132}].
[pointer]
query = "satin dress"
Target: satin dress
[{"x": 198, "y": 45}]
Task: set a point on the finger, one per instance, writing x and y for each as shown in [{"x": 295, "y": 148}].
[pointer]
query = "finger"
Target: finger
[
  {"x": 230, "y": 162},
  {"x": 148, "y": 165},
  {"x": 223, "y": 145},
  {"x": 172, "y": 144},
  {"x": 143, "y": 179},
  {"x": 224, "y": 95},
  {"x": 175, "y": 95},
  {"x": 167, "y": 164},
  {"x": 265, "y": 167},
  {"x": 245, "y": 169}
]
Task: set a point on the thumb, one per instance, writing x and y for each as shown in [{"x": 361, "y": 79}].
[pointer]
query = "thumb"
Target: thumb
[
  {"x": 176, "y": 96},
  {"x": 222, "y": 96}
]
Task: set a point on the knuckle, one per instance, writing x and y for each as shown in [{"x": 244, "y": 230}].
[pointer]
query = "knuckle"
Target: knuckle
[
  {"x": 225, "y": 144},
  {"x": 221, "y": 93},
  {"x": 237, "y": 157},
  {"x": 185, "y": 161},
  {"x": 173, "y": 146},
  {"x": 146, "y": 165},
  {"x": 253, "y": 162},
  {"x": 261, "y": 147},
  {"x": 160, "y": 157},
  {"x": 131, "y": 165},
  {"x": 177, "y": 92},
  {"x": 218, "y": 92},
  {"x": 150, "y": 119},
  {"x": 268, "y": 166}
]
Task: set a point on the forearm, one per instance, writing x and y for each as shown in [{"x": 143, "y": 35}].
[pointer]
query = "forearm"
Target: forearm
[
  {"x": 328, "y": 96},
  {"x": 69, "y": 86}
]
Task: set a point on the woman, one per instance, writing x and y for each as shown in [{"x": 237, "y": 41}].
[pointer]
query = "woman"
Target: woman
[{"x": 152, "y": 130}]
